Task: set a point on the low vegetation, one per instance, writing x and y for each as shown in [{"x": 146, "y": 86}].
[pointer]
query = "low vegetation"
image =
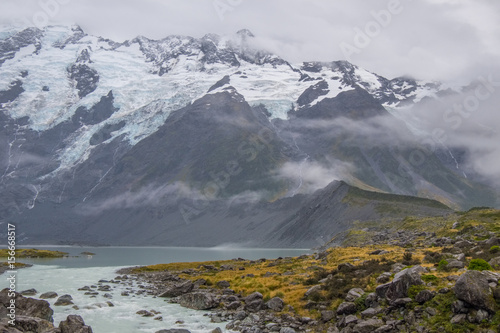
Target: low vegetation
[
  {"x": 429, "y": 242},
  {"x": 33, "y": 253}
]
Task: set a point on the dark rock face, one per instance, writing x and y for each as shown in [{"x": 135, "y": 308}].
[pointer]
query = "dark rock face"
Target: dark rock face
[
  {"x": 312, "y": 93},
  {"x": 86, "y": 78},
  {"x": 472, "y": 287},
  {"x": 99, "y": 112},
  {"x": 10, "y": 46},
  {"x": 14, "y": 91},
  {"x": 198, "y": 301}
]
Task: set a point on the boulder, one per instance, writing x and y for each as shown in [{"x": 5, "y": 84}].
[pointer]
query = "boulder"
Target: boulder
[
  {"x": 275, "y": 304},
  {"x": 367, "y": 326},
  {"x": 455, "y": 264},
  {"x": 178, "y": 289},
  {"x": 354, "y": 294},
  {"x": 424, "y": 296},
  {"x": 198, "y": 301},
  {"x": 402, "y": 281},
  {"x": 254, "y": 305},
  {"x": 48, "y": 295},
  {"x": 26, "y": 306},
  {"x": 384, "y": 277},
  {"x": 346, "y": 308},
  {"x": 64, "y": 300},
  {"x": 29, "y": 292},
  {"x": 145, "y": 313},
  {"x": 327, "y": 315},
  {"x": 74, "y": 324},
  {"x": 472, "y": 287},
  {"x": 371, "y": 312},
  {"x": 174, "y": 330},
  {"x": 223, "y": 284},
  {"x": 458, "y": 319},
  {"x": 253, "y": 296},
  {"x": 312, "y": 290},
  {"x": 32, "y": 324},
  {"x": 495, "y": 262},
  {"x": 287, "y": 330}
]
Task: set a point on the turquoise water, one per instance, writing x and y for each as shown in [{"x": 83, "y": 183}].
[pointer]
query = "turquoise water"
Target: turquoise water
[{"x": 66, "y": 275}]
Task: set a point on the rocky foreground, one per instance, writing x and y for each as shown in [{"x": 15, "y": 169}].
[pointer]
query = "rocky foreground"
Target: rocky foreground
[
  {"x": 33, "y": 315},
  {"x": 426, "y": 283}
]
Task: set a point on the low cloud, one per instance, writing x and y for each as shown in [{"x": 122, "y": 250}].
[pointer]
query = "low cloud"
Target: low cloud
[
  {"x": 310, "y": 176},
  {"x": 148, "y": 196}
]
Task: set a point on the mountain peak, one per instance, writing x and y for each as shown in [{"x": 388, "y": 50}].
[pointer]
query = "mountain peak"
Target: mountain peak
[{"x": 245, "y": 33}]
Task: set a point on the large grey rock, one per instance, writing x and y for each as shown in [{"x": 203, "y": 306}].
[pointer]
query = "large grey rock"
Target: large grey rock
[
  {"x": 64, "y": 300},
  {"x": 371, "y": 312},
  {"x": 368, "y": 326},
  {"x": 424, "y": 296},
  {"x": 472, "y": 287},
  {"x": 74, "y": 324},
  {"x": 26, "y": 306},
  {"x": 327, "y": 315},
  {"x": 458, "y": 319},
  {"x": 254, "y": 305},
  {"x": 253, "y": 296},
  {"x": 495, "y": 262},
  {"x": 354, "y": 294},
  {"x": 384, "y": 277},
  {"x": 198, "y": 301},
  {"x": 31, "y": 324},
  {"x": 287, "y": 330},
  {"x": 49, "y": 294},
  {"x": 312, "y": 290},
  {"x": 346, "y": 308},
  {"x": 402, "y": 281},
  {"x": 275, "y": 304},
  {"x": 29, "y": 292},
  {"x": 455, "y": 264},
  {"x": 178, "y": 289}
]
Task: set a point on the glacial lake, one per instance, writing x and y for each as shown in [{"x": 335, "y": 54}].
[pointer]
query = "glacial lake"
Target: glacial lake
[{"x": 66, "y": 275}]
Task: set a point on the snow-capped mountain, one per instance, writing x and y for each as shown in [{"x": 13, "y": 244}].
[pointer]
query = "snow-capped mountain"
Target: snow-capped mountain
[{"x": 86, "y": 120}]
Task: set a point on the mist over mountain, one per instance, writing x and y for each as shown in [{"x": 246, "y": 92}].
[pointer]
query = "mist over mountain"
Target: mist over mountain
[{"x": 203, "y": 141}]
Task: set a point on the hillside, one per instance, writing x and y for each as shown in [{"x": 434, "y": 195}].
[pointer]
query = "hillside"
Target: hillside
[{"x": 431, "y": 275}]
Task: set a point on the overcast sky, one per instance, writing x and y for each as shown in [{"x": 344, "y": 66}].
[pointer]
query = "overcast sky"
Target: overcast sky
[{"x": 427, "y": 39}]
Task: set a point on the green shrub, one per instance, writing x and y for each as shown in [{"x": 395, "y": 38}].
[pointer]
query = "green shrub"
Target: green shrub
[
  {"x": 494, "y": 249},
  {"x": 429, "y": 278},
  {"x": 360, "y": 302},
  {"x": 479, "y": 265},
  {"x": 442, "y": 265},
  {"x": 414, "y": 290},
  {"x": 279, "y": 294}
]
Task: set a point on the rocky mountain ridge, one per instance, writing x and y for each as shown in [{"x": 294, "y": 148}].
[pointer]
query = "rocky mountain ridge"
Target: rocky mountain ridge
[{"x": 157, "y": 134}]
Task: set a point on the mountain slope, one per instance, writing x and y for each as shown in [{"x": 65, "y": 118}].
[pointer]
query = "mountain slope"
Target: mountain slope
[{"x": 148, "y": 134}]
